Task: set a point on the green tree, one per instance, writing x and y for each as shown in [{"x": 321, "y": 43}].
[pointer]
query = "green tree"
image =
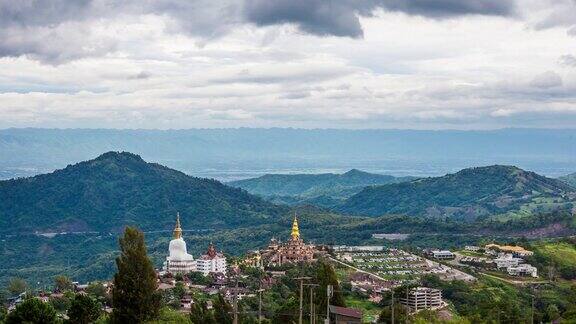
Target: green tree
[
  {"x": 32, "y": 310},
  {"x": 3, "y": 313},
  {"x": 62, "y": 283},
  {"x": 96, "y": 289},
  {"x": 84, "y": 310},
  {"x": 60, "y": 304},
  {"x": 222, "y": 310},
  {"x": 134, "y": 296},
  {"x": 287, "y": 313},
  {"x": 179, "y": 290},
  {"x": 200, "y": 314},
  {"x": 17, "y": 286},
  {"x": 400, "y": 314},
  {"x": 327, "y": 276}
]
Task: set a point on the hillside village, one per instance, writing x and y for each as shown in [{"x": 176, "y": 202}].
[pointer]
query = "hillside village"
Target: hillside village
[{"x": 369, "y": 280}]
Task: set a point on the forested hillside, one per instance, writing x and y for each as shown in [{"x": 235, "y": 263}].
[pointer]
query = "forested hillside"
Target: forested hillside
[
  {"x": 118, "y": 189},
  {"x": 321, "y": 189},
  {"x": 468, "y": 194}
]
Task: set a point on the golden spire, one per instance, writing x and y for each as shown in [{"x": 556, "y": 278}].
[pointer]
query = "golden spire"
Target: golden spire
[
  {"x": 295, "y": 230},
  {"x": 177, "y": 229}
]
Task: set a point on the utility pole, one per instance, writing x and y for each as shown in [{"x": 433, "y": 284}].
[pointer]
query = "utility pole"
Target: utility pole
[
  {"x": 311, "y": 305},
  {"x": 301, "y": 296},
  {"x": 235, "y": 321},
  {"x": 392, "y": 305},
  {"x": 260, "y": 305},
  {"x": 328, "y": 295},
  {"x": 532, "y": 313},
  {"x": 312, "y": 317}
]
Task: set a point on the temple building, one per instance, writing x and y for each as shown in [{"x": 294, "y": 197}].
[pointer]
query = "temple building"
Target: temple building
[
  {"x": 292, "y": 251},
  {"x": 212, "y": 261},
  {"x": 179, "y": 261}
]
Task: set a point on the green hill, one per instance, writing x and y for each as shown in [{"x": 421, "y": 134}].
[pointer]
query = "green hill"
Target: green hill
[
  {"x": 468, "y": 194},
  {"x": 325, "y": 189},
  {"x": 118, "y": 189},
  {"x": 569, "y": 179}
]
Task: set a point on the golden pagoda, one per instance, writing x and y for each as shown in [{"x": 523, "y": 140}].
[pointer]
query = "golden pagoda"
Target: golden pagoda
[
  {"x": 177, "y": 228},
  {"x": 293, "y": 250},
  {"x": 295, "y": 231}
]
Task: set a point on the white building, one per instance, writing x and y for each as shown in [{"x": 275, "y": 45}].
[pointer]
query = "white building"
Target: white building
[
  {"x": 472, "y": 248},
  {"x": 443, "y": 255},
  {"x": 212, "y": 261},
  {"x": 523, "y": 270},
  {"x": 179, "y": 261},
  {"x": 420, "y": 298},
  {"x": 507, "y": 260}
]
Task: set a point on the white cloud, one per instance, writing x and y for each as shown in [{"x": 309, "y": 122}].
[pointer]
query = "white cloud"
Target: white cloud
[{"x": 149, "y": 67}]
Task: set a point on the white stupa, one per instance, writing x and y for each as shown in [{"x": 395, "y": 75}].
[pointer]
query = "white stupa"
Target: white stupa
[{"x": 179, "y": 261}]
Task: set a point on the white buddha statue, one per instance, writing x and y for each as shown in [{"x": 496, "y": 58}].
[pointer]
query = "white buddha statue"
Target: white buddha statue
[{"x": 179, "y": 261}]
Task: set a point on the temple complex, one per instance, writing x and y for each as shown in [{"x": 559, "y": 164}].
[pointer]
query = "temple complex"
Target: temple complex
[{"x": 292, "y": 251}]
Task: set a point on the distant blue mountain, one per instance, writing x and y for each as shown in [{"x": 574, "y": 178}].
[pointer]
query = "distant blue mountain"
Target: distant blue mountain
[{"x": 245, "y": 152}]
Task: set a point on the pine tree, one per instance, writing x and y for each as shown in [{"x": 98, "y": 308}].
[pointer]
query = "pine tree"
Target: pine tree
[{"x": 134, "y": 296}]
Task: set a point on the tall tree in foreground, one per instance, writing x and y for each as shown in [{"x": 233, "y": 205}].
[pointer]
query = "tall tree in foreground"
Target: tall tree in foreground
[{"x": 134, "y": 296}]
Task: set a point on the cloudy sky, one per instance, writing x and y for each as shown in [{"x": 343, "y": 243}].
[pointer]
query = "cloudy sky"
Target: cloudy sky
[{"x": 426, "y": 64}]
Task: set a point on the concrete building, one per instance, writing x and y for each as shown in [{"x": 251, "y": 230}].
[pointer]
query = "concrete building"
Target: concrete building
[
  {"x": 420, "y": 298},
  {"x": 211, "y": 262},
  {"x": 523, "y": 270},
  {"x": 506, "y": 260},
  {"x": 443, "y": 255}
]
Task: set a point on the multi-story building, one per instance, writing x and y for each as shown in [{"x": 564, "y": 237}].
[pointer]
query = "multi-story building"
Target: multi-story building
[
  {"x": 443, "y": 255},
  {"x": 212, "y": 261},
  {"x": 506, "y": 260},
  {"x": 523, "y": 270},
  {"x": 420, "y": 298}
]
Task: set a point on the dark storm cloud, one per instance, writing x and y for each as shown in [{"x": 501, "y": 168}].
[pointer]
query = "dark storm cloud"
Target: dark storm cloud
[
  {"x": 341, "y": 18},
  {"x": 57, "y": 31},
  {"x": 39, "y": 12}
]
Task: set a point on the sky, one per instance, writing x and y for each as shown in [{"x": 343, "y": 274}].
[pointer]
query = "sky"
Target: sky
[{"x": 420, "y": 64}]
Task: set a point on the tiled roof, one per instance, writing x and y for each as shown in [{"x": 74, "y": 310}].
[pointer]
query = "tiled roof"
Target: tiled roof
[{"x": 345, "y": 311}]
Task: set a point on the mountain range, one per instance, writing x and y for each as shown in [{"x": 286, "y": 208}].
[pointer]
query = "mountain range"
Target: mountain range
[
  {"x": 324, "y": 189},
  {"x": 231, "y": 154},
  {"x": 469, "y": 194},
  {"x": 118, "y": 189}
]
